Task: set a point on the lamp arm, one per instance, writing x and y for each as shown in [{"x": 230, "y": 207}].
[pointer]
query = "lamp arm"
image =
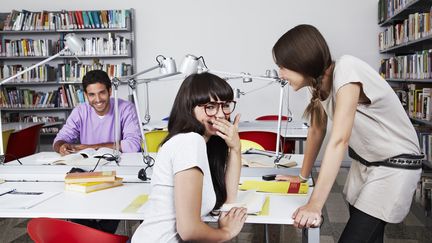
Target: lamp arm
[
  {"x": 34, "y": 66},
  {"x": 126, "y": 78},
  {"x": 148, "y": 80},
  {"x": 242, "y": 75}
]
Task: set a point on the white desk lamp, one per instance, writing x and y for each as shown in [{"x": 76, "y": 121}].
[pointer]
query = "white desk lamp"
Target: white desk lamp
[
  {"x": 167, "y": 68},
  {"x": 192, "y": 64},
  {"x": 72, "y": 43}
]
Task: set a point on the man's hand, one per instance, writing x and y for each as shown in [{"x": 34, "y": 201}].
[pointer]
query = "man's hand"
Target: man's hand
[{"x": 66, "y": 148}]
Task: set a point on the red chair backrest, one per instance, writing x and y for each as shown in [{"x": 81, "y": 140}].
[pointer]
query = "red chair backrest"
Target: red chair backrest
[
  {"x": 47, "y": 230},
  {"x": 23, "y": 143},
  {"x": 270, "y": 118},
  {"x": 267, "y": 140}
]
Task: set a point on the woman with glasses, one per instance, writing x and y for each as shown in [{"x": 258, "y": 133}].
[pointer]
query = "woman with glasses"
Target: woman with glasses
[
  {"x": 368, "y": 121},
  {"x": 197, "y": 168}
]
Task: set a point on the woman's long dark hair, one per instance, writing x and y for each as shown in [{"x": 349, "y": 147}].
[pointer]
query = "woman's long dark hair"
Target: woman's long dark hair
[
  {"x": 304, "y": 50},
  {"x": 195, "y": 90}
]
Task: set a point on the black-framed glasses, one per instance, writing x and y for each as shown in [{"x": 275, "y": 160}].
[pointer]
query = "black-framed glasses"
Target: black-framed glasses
[{"x": 212, "y": 108}]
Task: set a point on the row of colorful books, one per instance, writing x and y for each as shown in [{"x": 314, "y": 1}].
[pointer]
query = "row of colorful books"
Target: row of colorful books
[
  {"x": 110, "y": 45},
  {"x": 416, "y": 26},
  {"x": 66, "y": 20},
  {"x": 388, "y": 8},
  {"x": 40, "y": 74},
  {"x": 415, "y": 66},
  {"x": 71, "y": 71},
  {"x": 67, "y": 96}
]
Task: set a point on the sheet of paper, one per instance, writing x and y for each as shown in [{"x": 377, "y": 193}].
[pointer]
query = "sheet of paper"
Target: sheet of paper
[{"x": 24, "y": 200}]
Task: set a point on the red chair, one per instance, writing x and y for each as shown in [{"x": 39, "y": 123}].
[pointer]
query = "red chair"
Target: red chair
[
  {"x": 23, "y": 143},
  {"x": 266, "y": 139},
  {"x": 289, "y": 145},
  {"x": 47, "y": 230},
  {"x": 270, "y": 118}
]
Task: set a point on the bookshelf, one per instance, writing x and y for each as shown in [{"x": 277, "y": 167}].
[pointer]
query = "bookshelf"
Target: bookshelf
[
  {"x": 406, "y": 40},
  {"x": 50, "y": 92}
]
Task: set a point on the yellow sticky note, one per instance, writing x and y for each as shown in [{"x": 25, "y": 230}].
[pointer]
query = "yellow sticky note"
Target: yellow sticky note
[
  {"x": 266, "y": 207},
  {"x": 136, "y": 204}
]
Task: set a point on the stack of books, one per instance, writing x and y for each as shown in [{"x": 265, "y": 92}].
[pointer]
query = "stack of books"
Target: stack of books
[{"x": 92, "y": 181}]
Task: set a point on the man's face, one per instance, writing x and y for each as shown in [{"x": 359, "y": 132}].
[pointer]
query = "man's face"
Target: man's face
[{"x": 98, "y": 97}]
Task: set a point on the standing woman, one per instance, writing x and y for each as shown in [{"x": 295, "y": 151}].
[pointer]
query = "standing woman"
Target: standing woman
[
  {"x": 368, "y": 119},
  {"x": 197, "y": 168}
]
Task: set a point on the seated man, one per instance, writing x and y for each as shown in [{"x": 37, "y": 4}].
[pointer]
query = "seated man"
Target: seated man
[{"x": 92, "y": 124}]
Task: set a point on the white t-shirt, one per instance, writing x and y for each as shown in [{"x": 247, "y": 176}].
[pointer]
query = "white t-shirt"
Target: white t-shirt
[
  {"x": 181, "y": 152},
  {"x": 381, "y": 130}
]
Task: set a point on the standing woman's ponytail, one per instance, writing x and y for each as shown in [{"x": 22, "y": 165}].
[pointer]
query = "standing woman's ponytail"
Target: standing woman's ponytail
[{"x": 304, "y": 50}]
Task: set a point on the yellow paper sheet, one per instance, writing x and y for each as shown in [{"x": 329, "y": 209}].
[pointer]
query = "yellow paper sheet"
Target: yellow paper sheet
[{"x": 136, "y": 204}]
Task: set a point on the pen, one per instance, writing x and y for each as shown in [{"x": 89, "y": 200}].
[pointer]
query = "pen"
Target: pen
[
  {"x": 11, "y": 191},
  {"x": 25, "y": 193}
]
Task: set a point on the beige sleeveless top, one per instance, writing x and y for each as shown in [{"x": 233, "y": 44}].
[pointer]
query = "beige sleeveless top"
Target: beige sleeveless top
[{"x": 381, "y": 130}]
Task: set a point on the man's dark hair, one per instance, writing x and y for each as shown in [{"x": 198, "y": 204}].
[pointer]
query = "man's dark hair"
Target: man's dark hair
[{"x": 96, "y": 76}]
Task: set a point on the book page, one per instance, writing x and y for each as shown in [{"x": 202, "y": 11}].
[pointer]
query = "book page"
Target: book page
[
  {"x": 250, "y": 199},
  {"x": 87, "y": 152},
  {"x": 260, "y": 160},
  {"x": 69, "y": 159},
  {"x": 103, "y": 151}
]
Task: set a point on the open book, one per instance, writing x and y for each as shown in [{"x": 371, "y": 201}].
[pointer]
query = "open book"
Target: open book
[
  {"x": 88, "y": 156},
  {"x": 251, "y": 199},
  {"x": 262, "y": 160}
]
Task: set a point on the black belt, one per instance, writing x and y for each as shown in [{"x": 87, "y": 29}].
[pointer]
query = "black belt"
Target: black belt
[{"x": 403, "y": 161}]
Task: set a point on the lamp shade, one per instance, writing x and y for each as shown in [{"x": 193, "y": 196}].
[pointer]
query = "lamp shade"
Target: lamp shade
[
  {"x": 191, "y": 64},
  {"x": 74, "y": 43}
]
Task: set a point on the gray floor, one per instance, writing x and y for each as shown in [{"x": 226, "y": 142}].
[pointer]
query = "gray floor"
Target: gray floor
[{"x": 415, "y": 228}]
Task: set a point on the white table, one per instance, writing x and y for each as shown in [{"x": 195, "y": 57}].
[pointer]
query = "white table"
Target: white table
[
  {"x": 71, "y": 205},
  {"x": 50, "y": 178}
]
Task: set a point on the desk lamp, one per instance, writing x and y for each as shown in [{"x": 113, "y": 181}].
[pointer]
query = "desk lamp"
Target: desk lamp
[
  {"x": 72, "y": 43},
  {"x": 167, "y": 68},
  {"x": 192, "y": 64}
]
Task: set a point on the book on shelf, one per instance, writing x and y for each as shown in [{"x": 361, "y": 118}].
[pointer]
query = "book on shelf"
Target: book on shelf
[
  {"x": 95, "y": 176},
  {"x": 283, "y": 187},
  {"x": 65, "y": 20},
  {"x": 252, "y": 200},
  {"x": 87, "y": 187},
  {"x": 88, "y": 156}
]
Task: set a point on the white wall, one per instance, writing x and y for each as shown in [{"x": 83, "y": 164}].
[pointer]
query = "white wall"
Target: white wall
[{"x": 233, "y": 36}]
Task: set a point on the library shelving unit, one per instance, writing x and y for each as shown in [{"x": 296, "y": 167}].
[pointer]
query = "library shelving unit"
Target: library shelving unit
[
  {"x": 51, "y": 91},
  {"x": 406, "y": 41}
]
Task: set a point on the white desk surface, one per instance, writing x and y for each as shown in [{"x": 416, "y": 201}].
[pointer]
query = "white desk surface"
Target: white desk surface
[
  {"x": 69, "y": 204},
  {"x": 131, "y": 163}
]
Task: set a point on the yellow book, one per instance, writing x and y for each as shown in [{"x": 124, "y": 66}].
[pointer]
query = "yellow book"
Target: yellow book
[
  {"x": 87, "y": 187},
  {"x": 99, "y": 176},
  {"x": 276, "y": 186}
]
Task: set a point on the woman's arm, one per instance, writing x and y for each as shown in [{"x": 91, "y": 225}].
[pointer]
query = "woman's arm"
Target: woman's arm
[
  {"x": 315, "y": 137},
  {"x": 229, "y": 132},
  {"x": 188, "y": 198},
  {"x": 346, "y": 102}
]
